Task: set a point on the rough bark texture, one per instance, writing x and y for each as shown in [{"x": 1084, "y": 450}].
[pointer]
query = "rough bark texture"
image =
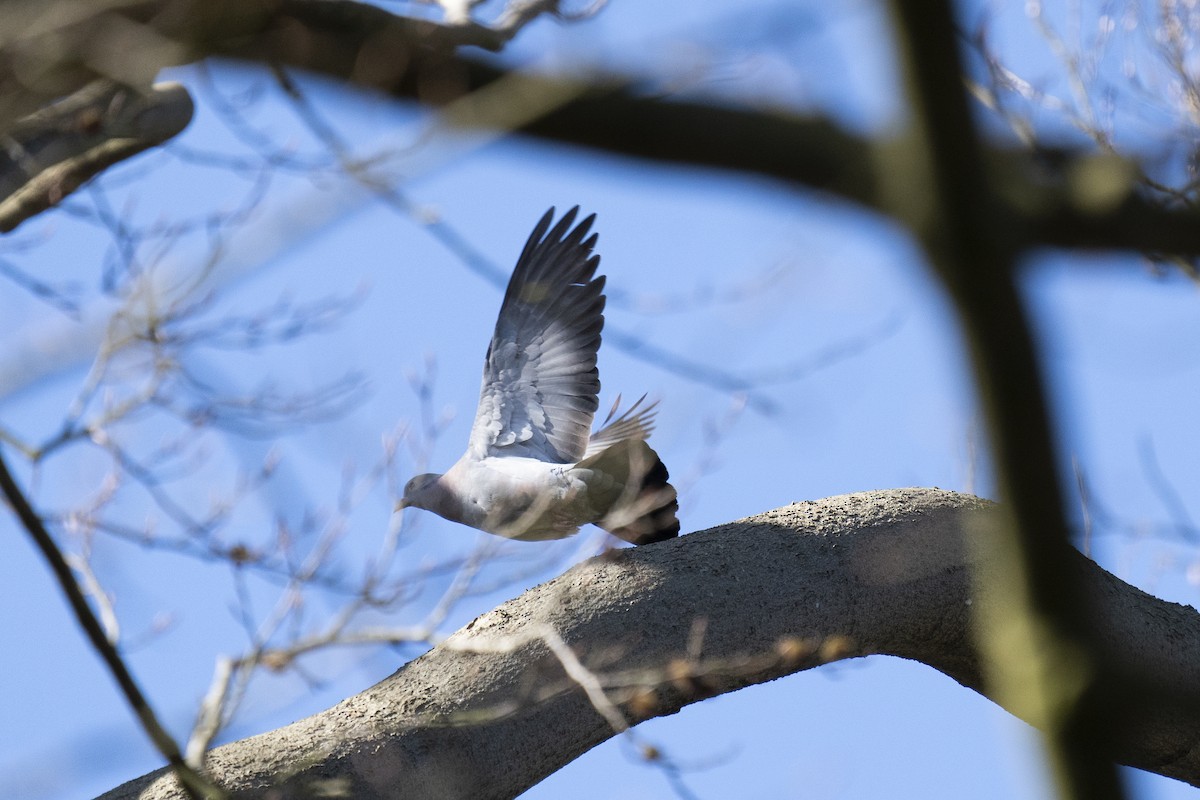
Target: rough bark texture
[{"x": 490, "y": 712}]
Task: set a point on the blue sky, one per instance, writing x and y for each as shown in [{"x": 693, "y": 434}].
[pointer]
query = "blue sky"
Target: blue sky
[{"x": 739, "y": 274}]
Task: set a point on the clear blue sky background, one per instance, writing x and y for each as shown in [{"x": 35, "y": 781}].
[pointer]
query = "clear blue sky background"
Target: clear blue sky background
[{"x": 872, "y": 393}]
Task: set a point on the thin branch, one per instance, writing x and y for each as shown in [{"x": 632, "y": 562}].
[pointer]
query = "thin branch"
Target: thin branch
[
  {"x": 196, "y": 785},
  {"x": 384, "y": 185},
  {"x": 572, "y": 666}
]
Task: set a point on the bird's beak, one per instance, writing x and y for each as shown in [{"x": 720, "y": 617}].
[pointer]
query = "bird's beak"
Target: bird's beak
[{"x": 401, "y": 504}]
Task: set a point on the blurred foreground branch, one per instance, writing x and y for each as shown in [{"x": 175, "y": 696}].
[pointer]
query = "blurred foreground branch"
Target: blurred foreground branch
[
  {"x": 499, "y": 705},
  {"x": 53, "y": 152},
  {"x": 1056, "y": 198},
  {"x": 51, "y": 48},
  {"x": 1042, "y": 659}
]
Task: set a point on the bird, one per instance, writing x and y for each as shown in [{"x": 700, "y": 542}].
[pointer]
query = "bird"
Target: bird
[{"x": 533, "y": 470}]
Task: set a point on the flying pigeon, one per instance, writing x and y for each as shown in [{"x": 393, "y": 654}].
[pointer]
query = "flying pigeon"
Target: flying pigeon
[{"x": 531, "y": 470}]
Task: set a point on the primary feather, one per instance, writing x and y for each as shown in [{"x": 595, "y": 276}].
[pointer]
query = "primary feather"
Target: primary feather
[{"x": 540, "y": 382}]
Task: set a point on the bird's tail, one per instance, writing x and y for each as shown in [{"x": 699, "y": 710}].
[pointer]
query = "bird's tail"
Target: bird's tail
[
  {"x": 644, "y": 507},
  {"x": 657, "y": 497}
]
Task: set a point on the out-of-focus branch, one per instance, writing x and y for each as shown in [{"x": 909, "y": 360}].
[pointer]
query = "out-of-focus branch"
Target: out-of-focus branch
[
  {"x": 1066, "y": 200},
  {"x": 51, "y": 48},
  {"x": 1060, "y": 199},
  {"x": 49, "y": 154},
  {"x": 91, "y": 53},
  {"x": 1041, "y": 656},
  {"x": 493, "y": 710},
  {"x": 194, "y": 785}
]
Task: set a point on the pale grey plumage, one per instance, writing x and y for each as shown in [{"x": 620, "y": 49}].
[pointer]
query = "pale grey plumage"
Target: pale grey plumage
[{"x": 531, "y": 470}]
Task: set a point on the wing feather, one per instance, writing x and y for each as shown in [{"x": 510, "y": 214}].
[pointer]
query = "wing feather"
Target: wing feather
[
  {"x": 540, "y": 382},
  {"x": 636, "y": 423}
]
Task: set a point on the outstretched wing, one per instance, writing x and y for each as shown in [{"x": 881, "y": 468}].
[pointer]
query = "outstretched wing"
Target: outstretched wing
[{"x": 540, "y": 380}]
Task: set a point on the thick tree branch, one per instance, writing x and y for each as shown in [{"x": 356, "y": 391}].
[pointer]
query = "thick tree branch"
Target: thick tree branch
[
  {"x": 1053, "y": 201},
  {"x": 1058, "y": 199},
  {"x": 51, "y": 48},
  {"x": 53, "y": 152},
  {"x": 491, "y": 711}
]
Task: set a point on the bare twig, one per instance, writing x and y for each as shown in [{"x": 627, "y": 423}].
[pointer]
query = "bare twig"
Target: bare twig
[{"x": 195, "y": 784}]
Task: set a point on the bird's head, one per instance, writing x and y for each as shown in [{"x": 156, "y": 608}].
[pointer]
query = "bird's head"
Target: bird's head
[{"x": 422, "y": 491}]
